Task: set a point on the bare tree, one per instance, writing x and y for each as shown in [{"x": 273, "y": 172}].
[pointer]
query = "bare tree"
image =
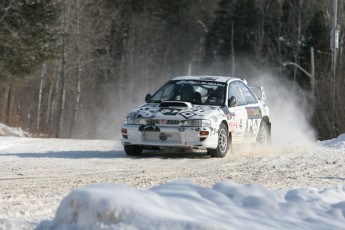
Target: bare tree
[{"x": 43, "y": 72}]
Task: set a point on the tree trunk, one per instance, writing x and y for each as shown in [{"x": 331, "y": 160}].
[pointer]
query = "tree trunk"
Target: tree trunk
[
  {"x": 51, "y": 102},
  {"x": 40, "y": 97},
  {"x": 232, "y": 50},
  {"x": 260, "y": 30},
  {"x": 54, "y": 107},
  {"x": 78, "y": 67},
  {"x": 62, "y": 81},
  {"x": 8, "y": 104},
  {"x": 299, "y": 30}
]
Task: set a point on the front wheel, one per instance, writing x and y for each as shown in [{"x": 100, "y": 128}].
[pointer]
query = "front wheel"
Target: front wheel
[
  {"x": 133, "y": 150},
  {"x": 224, "y": 142},
  {"x": 264, "y": 136}
]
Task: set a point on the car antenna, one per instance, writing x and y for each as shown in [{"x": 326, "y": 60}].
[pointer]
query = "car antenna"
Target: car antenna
[{"x": 214, "y": 57}]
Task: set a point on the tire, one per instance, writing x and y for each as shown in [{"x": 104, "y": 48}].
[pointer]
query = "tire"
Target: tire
[
  {"x": 133, "y": 150},
  {"x": 264, "y": 136},
  {"x": 224, "y": 143}
]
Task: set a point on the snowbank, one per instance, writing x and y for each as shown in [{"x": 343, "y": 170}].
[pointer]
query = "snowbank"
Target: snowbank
[
  {"x": 184, "y": 205},
  {"x": 15, "y": 132},
  {"x": 36, "y": 172},
  {"x": 337, "y": 143}
]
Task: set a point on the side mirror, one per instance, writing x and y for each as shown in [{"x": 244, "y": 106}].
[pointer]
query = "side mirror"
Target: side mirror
[
  {"x": 147, "y": 97},
  {"x": 263, "y": 94},
  {"x": 232, "y": 102}
]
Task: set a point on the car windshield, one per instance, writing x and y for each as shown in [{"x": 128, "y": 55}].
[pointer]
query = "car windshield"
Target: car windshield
[{"x": 195, "y": 92}]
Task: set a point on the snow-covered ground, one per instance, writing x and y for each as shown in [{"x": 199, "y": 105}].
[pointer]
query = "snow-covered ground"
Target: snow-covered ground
[{"x": 92, "y": 184}]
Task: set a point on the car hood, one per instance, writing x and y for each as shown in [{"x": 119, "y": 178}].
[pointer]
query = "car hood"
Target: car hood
[{"x": 161, "y": 111}]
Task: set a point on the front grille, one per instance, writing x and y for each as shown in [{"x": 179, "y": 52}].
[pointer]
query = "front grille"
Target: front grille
[{"x": 162, "y": 122}]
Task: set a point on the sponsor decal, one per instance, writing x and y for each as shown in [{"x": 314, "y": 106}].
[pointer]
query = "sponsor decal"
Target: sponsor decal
[
  {"x": 231, "y": 116},
  {"x": 148, "y": 128},
  {"x": 196, "y": 112},
  {"x": 200, "y": 109},
  {"x": 252, "y": 126},
  {"x": 148, "y": 112},
  {"x": 175, "y": 112},
  {"x": 254, "y": 112},
  {"x": 145, "y": 113},
  {"x": 213, "y": 131},
  {"x": 192, "y": 82},
  {"x": 162, "y": 122},
  {"x": 233, "y": 125},
  {"x": 169, "y": 112}
]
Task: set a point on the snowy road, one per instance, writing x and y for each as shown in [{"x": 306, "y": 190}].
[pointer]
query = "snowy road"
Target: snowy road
[{"x": 35, "y": 174}]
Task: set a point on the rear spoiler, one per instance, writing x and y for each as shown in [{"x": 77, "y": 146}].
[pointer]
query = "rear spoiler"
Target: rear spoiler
[{"x": 259, "y": 92}]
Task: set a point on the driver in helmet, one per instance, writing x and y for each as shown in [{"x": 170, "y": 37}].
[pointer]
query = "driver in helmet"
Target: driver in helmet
[{"x": 187, "y": 92}]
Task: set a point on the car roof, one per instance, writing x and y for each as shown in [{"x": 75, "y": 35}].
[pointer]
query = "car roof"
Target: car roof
[{"x": 206, "y": 78}]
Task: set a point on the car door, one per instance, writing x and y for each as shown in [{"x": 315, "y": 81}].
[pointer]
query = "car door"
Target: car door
[
  {"x": 254, "y": 112},
  {"x": 238, "y": 121}
]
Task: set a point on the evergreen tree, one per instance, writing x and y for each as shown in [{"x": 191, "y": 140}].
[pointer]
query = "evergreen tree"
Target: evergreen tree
[
  {"x": 27, "y": 34},
  {"x": 318, "y": 32},
  {"x": 234, "y": 26},
  {"x": 244, "y": 25},
  {"x": 218, "y": 38},
  {"x": 272, "y": 29}
]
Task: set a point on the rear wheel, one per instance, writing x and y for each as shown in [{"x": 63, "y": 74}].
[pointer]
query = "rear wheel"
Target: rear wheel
[
  {"x": 264, "y": 136},
  {"x": 224, "y": 143},
  {"x": 133, "y": 150}
]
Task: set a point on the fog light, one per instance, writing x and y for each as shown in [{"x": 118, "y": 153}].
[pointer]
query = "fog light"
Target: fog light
[
  {"x": 124, "y": 136},
  {"x": 203, "y": 135}
]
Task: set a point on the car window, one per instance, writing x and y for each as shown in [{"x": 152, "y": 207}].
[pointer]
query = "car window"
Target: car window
[
  {"x": 193, "y": 91},
  {"x": 249, "y": 96},
  {"x": 163, "y": 94},
  {"x": 235, "y": 90}
]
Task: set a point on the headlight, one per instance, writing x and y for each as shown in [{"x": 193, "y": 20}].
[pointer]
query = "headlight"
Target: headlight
[
  {"x": 134, "y": 121},
  {"x": 198, "y": 123}
]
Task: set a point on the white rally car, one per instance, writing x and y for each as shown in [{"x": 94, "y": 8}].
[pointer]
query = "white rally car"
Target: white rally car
[{"x": 198, "y": 112}]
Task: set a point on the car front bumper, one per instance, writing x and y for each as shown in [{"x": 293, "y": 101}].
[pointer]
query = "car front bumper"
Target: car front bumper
[{"x": 169, "y": 136}]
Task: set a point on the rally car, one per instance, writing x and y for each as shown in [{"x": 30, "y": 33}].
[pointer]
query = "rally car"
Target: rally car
[{"x": 198, "y": 112}]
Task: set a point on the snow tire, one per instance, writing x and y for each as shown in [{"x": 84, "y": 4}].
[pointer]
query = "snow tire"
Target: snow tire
[
  {"x": 133, "y": 150},
  {"x": 264, "y": 136}
]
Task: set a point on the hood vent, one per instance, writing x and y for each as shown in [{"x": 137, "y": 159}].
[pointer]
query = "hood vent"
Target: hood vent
[{"x": 175, "y": 104}]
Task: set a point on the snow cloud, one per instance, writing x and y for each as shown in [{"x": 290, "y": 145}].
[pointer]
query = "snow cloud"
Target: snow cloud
[
  {"x": 290, "y": 111},
  {"x": 290, "y": 106}
]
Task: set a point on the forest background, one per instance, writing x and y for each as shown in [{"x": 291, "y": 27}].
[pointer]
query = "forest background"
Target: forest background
[{"x": 73, "y": 68}]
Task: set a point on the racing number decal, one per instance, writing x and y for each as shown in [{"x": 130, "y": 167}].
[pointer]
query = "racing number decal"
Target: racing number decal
[
  {"x": 254, "y": 118},
  {"x": 237, "y": 122},
  {"x": 252, "y": 126}
]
